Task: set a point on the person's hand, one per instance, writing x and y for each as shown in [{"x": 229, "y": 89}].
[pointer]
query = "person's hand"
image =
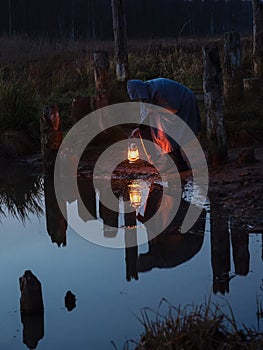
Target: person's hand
[{"x": 135, "y": 133}]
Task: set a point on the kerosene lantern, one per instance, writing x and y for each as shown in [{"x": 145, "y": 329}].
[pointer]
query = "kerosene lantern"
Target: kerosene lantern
[{"x": 133, "y": 152}]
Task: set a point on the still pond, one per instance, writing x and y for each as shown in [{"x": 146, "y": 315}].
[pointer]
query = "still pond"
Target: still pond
[{"x": 113, "y": 285}]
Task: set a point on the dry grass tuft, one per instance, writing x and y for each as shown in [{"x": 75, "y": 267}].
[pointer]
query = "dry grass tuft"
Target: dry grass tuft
[{"x": 203, "y": 327}]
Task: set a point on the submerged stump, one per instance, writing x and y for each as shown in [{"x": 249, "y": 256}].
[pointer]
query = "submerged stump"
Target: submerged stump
[{"x": 70, "y": 301}]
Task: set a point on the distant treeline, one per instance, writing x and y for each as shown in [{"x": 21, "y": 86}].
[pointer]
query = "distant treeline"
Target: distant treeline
[{"x": 92, "y": 19}]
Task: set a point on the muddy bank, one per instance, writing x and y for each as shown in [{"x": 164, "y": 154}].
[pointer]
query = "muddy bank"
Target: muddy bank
[{"x": 238, "y": 189}]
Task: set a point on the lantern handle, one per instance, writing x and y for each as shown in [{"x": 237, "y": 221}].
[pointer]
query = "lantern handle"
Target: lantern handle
[{"x": 145, "y": 151}]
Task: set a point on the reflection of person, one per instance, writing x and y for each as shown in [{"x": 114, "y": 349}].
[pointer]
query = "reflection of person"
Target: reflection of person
[
  {"x": 170, "y": 248},
  {"x": 177, "y": 99}
]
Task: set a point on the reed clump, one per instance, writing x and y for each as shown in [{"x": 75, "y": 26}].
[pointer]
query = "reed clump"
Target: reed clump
[{"x": 204, "y": 327}]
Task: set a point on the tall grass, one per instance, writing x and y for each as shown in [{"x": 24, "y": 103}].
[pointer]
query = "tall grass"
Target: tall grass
[
  {"x": 18, "y": 105},
  {"x": 204, "y": 327}
]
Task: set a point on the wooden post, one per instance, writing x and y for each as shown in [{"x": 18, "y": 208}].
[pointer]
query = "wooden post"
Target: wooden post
[
  {"x": 101, "y": 70},
  {"x": 246, "y": 156},
  {"x": 214, "y": 105},
  {"x": 101, "y": 76},
  {"x": 51, "y": 136},
  {"x": 233, "y": 84},
  {"x": 31, "y": 300},
  {"x": 120, "y": 39},
  {"x": 81, "y": 106},
  {"x": 258, "y": 38},
  {"x": 251, "y": 87}
]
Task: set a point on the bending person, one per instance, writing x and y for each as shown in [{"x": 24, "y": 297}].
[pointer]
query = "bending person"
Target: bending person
[{"x": 177, "y": 99}]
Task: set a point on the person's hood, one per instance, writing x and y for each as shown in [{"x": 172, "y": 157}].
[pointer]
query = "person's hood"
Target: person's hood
[{"x": 137, "y": 90}]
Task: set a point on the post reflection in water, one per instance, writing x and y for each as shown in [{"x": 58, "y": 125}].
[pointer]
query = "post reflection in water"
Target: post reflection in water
[
  {"x": 241, "y": 256},
  {"x": 55, "y": 222},
  {"x": 88, "y": 196},
  {"x": 108, "y": 215},
  {"x": 220, "y": 247},
  {"x": 33, "y": 329},
  {"x": 222, "y": 235}
]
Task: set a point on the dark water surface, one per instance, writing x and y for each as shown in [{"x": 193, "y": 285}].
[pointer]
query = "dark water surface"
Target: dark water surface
[{"x": 112, "y": 285}]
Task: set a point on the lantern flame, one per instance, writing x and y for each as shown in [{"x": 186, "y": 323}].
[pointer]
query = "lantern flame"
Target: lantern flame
[
  {"x": 133, "y": 153},
  {"x": 135, "y": 193}
]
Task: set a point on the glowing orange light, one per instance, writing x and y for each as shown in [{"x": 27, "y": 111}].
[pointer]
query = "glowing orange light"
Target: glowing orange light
[
  {"x": 135, "y": 194},
  {"x": 133, "y": 153}
]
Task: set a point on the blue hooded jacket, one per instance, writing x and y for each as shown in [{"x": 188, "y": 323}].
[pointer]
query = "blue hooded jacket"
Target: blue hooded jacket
[{"x": 171, "y": 95}]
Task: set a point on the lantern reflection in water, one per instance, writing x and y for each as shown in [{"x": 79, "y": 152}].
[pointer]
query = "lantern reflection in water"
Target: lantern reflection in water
[
  {"x": 133, "y": 152},
  {"x": 136, "y": 193}
]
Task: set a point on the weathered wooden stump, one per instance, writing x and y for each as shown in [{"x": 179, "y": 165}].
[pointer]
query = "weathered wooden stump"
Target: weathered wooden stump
[
  {"x": 101, "y": 70},
  {"x": 31, "y": 300},
  {"x": 101, "y": 77},
  {"x": 251, "y": 87},
  {"x": 233, "y": 84},
  {"x": 214, "y": 105},
  {"x": 120, "y": 39},
  {"x": 81, "y": 106},
  {"x": 101, "y": 99},
  {"x": 246, "y": 156},
  {"x": 51, "y": 136},
  {"x": 258, "y": 38}
]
